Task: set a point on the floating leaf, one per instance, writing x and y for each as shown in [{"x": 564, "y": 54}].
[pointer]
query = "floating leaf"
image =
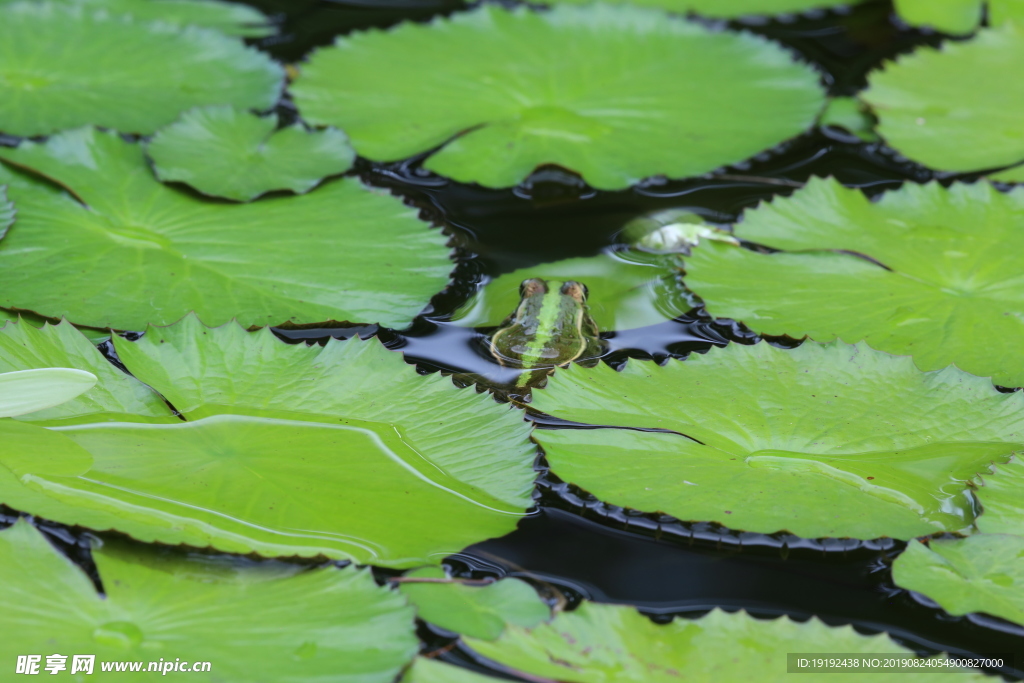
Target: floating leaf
[
  {"x": 958, "y": 16},
  {"x": 927, "y": 271},
  {"x": 948, "y": 16},
  {"x": 95, "y": 336},
  {"x": 28, "y": 391},
  {"x": 851, "y": 115},
  {"x": 255, "y": 624},
  {"x": 116, "y": 396},
  {"x": 981, "y": 573},
  {"x": 595, "y": 90},
  {"x": 1002, "y": 499},
  {"x": 1010, "y": 175},
  {"x": 117, "y": 72},
  {"x": 426, "y": 670},
  {"x": 7, "y": 212},
  {"x": 821, "y": 440},
  {"x": 625, "y": 289},
  {"x": 723, "y": 8},
  {"x": 230, "y": 18},
  {"x": 344, "y": 252},
  {"x": 615, "y": 643},
  {"x": 955, "y": 108},
  {"x": 342, "y": 451},
  {"x": 225, "y": 152},
  {"x": 475, "y": 611}
]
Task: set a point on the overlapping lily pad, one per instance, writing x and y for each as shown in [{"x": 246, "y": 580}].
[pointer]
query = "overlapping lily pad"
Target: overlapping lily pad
[
  {"x": 231, "y": 18},
  {"x": 955, "y": 108},
  {"x": 344, "y": 252},
  {"x": 342, "y": 451},
  {"x": 594, "y": 89},
  {"x": 29, "y": 391},
  {"x": 612, "y": 643},
  {"x": 1002, "y": 499},
  {"x": 927, "y": 271},
  {"x": 625, "y": 289},
  {"x": 473, "y": 610},
  {"x": 226, "y": 152},
  {"x": 258, "y": 624},
  {"x": 131, "y": 89},
  {"x": 981, "y": 573},
  {"x": 958, "y": 16},
  {"x": 426, "y": 670},
  {"x": 822, "y": 440},
  {"x": 7, "y": 212},
  {"x": 724, "y": 8}
]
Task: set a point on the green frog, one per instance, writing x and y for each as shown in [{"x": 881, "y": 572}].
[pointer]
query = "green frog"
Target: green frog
[{"x": 551, "y": 327}]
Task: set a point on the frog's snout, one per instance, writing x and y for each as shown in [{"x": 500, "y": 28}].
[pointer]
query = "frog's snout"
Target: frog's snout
[{"x": 576, "y": 290}]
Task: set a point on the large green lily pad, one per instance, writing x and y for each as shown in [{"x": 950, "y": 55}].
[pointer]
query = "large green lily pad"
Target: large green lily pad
[
  {"x": 344, "y": 252},
  {"x": 226, "y": 152},
  {"x": 616, "y": 644},
  {"x": 231, "y": 18},
  {"x": 981, "y": 573},
  {"x": 112, "y": 70},
  {"x": 1002, "y": 499},
  {"x": 625, "y": 289},
  {"x": 258, "y": 624},
  {"x": 342, "y": 451},
  {"x": 955, "y": 108},
  {"x": 724, "y": 8},
  {"x": 593, "y": 89},
  {"x": 942, "y": 278},
  {"x": 473, "y": 610},
  {"x": 822, "y": 440}
]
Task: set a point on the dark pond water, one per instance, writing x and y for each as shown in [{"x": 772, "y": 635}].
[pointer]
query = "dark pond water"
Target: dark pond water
[{"x": 572, "y": 543}]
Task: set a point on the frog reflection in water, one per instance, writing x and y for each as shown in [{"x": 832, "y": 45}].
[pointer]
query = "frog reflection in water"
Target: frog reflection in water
[{"x": 550, "y": 328}]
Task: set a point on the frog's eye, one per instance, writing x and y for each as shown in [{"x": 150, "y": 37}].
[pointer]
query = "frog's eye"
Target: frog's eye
[
  {"x": 577, "y": 290},
  {"x": 531, "y": 286}
]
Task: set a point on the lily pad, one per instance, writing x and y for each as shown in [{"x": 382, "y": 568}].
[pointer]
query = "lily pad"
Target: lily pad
[
  {"x": 1010, "y": 175},
  {"x": 326, "y": 623},
  {"x": 112, "y": 70},
  {"x": 345, "y": 252},
  {"x": 1002, "y": 499},
  {"x": 115, "y": 396},
  {"x": 230, "y": 18},
  {"x": 948, "y": 16},
  {"x": 926, "y": 271},
  {"x": 426, "y": 670},
  {"x": 93, "y": 335},
  {"x": 822, "y": 440},
  {"x": 28, "y": 391},
  {"x": 728, "y": 9},
  {"x": 226, "y": 152},
  {"x": 596, "y": 90},
  {"x": 625, "y": 289},
  {"x": 7, "y": 212},
  {"x": 473, "y": 610},
  {"x": 615, "y": 643},
  {"x": 342, "y": 451},
  {"x": 850, "y": 114},
  {"x": 980, "y": 573},
  {"x": 955, "y": 108},
  {"x": 958, "y": 16}
]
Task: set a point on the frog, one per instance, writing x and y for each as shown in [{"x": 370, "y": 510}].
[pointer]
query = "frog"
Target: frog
[{"x": 551, "y": 327}]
